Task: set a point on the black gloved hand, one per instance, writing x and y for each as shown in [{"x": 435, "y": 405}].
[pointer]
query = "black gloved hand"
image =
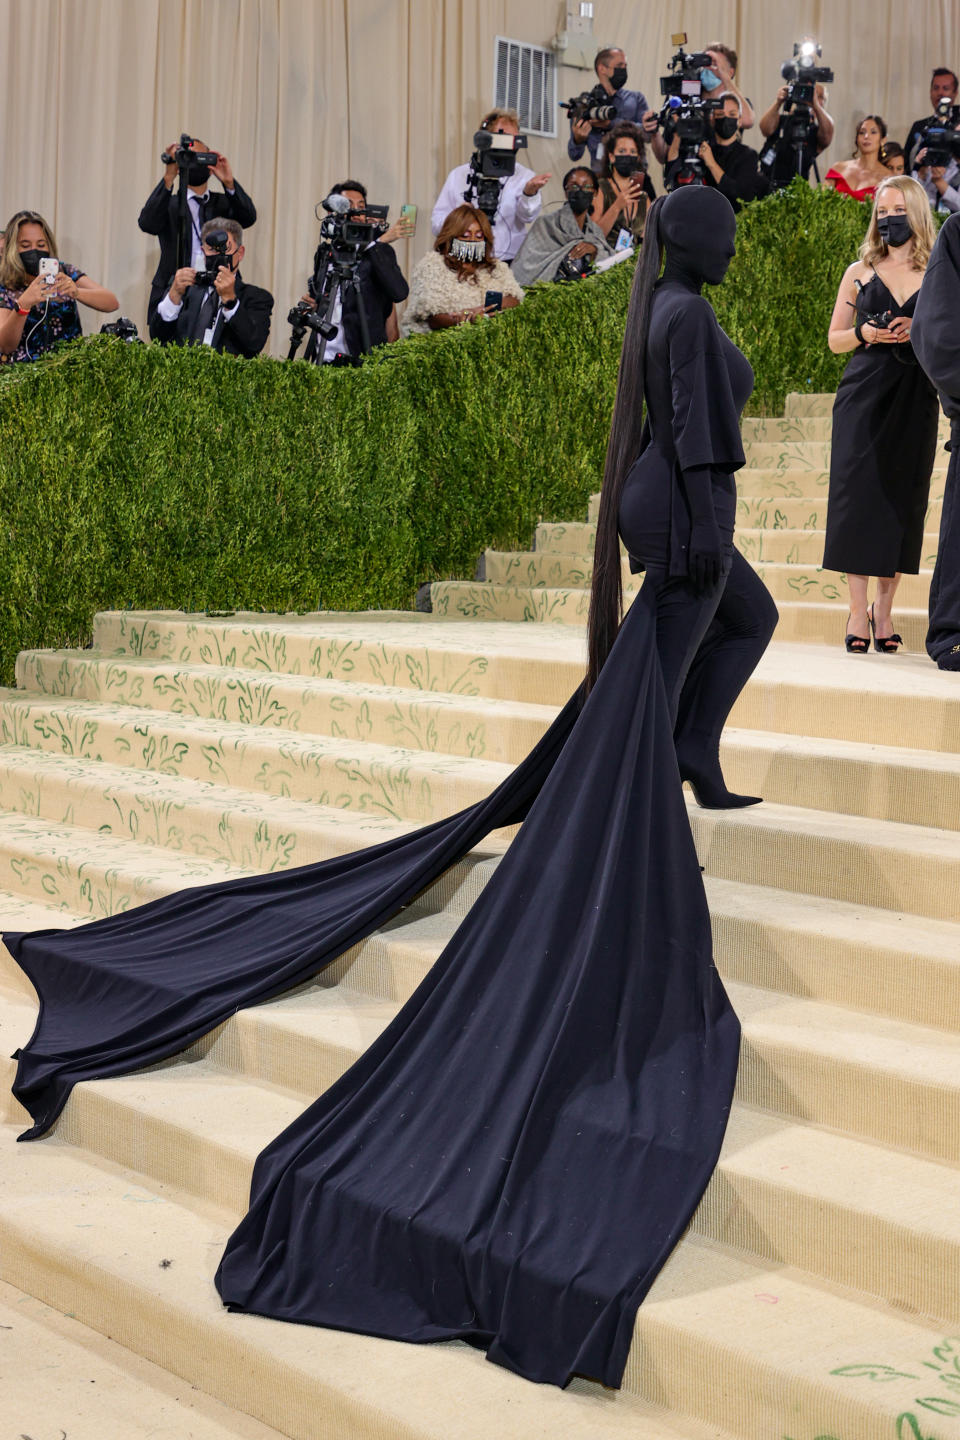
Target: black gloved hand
[{"x": 705, "y": 562}]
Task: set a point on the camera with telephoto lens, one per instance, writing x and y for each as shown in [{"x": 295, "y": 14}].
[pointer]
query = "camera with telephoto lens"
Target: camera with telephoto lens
[
  {"x": 593, "y": 105},
  {"x": 494, "y": 160},
  {"x": 123, "y": 328},
  {"x": 217, "y": 240},
  {"x": 183, "y": 155},
  {"x": 940, "y": 137},
  {"x": 685, "y": 114},
  {"x": 793, "y": 144}
]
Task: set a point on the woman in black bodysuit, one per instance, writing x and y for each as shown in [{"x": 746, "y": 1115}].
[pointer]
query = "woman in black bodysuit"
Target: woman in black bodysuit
[
  {"x": 669, "y": 491},
  {"x": 513, "y": 1159}
]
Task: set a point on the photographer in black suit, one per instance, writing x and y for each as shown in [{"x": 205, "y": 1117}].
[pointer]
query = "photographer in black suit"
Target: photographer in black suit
[
  {"x": 159, "y": 215},
  {"x": 381, "y": 285},
  {"x": 222, "y": 312}
]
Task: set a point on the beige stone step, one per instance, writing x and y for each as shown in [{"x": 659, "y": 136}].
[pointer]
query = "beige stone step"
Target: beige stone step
[
  {"x": 807, "y": 405},
  {"x": 804, "y": 547},
  {"x": 896, "y": 965},
  {"x": 793, "y": 428},
  {"x": 881, "y": 863},
  {"x": 407, "y": 649},
  {"x": 356, "y": 774},
  {"x": 60, "y": 1377},
  {"x": 885, "y": 782},
  {"x": 823, "y": 622},
  {"x": 91, "y": 875},
  {"x": 821, "y": 691},
  {"x": 190, "y": 818},
  {"x": 292, "y": 705},
  {"x": 137, "y": 1262}
]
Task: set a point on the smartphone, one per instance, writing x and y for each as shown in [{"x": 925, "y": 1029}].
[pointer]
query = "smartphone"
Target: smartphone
[
  {"x": 49, "y": 269},
  {"x": 409, "y": 212},
  {"x": 493, "y": 300}
]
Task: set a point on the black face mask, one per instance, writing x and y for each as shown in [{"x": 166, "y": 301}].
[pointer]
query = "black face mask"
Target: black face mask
[
  {"x": 698, "y": 229},
  {"x": 726, "y": 126},
  {"x": 894, "y": 230},
  {"x": 198, "y": 174},
  {"x": 30, "y": 260},
  {"x": 626, "y": 164},
  {"x": 579, "y": 201},
  {"x": 619, "y": 77}
]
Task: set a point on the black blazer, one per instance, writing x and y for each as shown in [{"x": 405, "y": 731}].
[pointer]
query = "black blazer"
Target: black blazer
[
  {"x": 159, "y": 217},
  {"x": 245, "y": 333},
  {"x": 381, "y": 286}
]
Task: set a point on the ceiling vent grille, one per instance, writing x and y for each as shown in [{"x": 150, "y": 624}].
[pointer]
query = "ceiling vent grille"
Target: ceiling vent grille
[{"x": 525, "y": 80}]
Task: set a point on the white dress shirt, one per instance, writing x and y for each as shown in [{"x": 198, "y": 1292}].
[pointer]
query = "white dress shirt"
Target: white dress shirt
[
  {"x": 168, "y": 310},
  {"x": 516, "y": 210}
]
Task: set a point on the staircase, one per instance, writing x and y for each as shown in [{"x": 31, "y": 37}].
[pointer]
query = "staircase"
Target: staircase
[{"x": 817, "y": 1292}]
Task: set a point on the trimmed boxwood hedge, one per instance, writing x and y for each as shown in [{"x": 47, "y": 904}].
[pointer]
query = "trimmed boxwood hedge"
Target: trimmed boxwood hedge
[{"x": 148, "y": 477}]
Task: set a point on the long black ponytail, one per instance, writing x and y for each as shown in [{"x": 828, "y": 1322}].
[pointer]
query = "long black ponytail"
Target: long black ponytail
[{"x": 606, "y": 593}]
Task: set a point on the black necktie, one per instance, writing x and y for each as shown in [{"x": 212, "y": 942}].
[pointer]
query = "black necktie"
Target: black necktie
[{"x": 205, "y": 315}]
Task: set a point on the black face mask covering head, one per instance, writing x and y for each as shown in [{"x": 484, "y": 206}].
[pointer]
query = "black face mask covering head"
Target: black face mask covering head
[
  {"x": 699, "y": 230},
  {"x": 894, "y": 230}
]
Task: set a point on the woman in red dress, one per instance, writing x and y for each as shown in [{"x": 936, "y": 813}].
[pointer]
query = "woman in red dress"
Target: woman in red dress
[{"x": 860, "y": 176}]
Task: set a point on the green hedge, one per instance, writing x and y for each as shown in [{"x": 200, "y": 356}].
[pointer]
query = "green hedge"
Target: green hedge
[{"x": 148, "y": 477}]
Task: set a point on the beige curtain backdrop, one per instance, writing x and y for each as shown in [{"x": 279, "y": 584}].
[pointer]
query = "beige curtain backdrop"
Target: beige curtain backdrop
[{"x": 301, "y": 93}]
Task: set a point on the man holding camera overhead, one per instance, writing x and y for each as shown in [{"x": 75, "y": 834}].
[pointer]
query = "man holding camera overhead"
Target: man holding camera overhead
[
  {"x": 610, "y": 66},
  {"x": 211, "y": 304},
  {"x": 515, "y": 200},
  {"x": 159, "y": 214}
]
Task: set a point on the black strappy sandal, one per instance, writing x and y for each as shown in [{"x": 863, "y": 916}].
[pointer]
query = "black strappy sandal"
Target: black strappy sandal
[
  {"x": 856, "y": 644},
  {"x": 886, "y": 644}
]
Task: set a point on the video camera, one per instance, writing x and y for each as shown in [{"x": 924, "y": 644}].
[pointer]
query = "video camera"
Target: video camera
[
  {"x": 791, "y": 149},
  {"x": 685, "y": 114},
  {"x": 336, "y": 261},
  {"x": 494, "y": 160},
  {"x": 940, "y": 138},
  {"x": 593, "y": 105},
  {"x": 184, "y": 156}
]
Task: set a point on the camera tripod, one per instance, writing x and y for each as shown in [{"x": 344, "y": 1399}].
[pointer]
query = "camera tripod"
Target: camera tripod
[{"x": 338, "y": 276}]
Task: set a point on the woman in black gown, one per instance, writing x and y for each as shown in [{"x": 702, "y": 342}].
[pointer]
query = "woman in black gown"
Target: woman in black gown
[
  {"x": 513, "y": 1159},
  {"x": 884, "y": 418},
  {"x": 936, "y": 339}
]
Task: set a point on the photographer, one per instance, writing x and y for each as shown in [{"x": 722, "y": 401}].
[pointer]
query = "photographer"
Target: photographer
[
  {"x": 939, "y": 182},
  {"x": 610, "y": 68},
  {"x": 721, "y": 77},
  {"x": 564, "y": 245},
  {"x": 380, "y": 283},
  {"x": 786, "y": 162},
  {"x": 519, "y": 200},
  {"x": 943, "y": 86},
  {"x": 729, "y": 164},
  {"x": 159, "y": 215},
  {"x": 37, "y": 313},
  {"x": 211, "y": 305}
]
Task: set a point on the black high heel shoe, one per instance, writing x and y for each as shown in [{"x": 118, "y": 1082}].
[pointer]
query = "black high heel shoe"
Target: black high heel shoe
[
  {"x": 857, "y": 644},
  {"x": 885, "y": 644},
  {"x": 709, "y": 789}
]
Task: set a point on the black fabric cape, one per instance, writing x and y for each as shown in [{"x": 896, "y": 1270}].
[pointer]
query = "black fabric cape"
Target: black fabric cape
[
  {"x": 936, "y": 344},
  {"x": 514, "y": 1158}
]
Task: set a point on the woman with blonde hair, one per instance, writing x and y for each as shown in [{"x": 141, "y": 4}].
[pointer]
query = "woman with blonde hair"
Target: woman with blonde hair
[
  {"x": 35, "y": 314},
  {"x": 885, "y": 415}
]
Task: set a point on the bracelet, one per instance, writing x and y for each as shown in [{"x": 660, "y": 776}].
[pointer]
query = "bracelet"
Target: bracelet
[{"x": 20, "y": 309}]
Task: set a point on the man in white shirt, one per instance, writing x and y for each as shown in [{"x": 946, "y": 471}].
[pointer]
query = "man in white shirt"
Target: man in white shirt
[{"x": 519, "y": 193}]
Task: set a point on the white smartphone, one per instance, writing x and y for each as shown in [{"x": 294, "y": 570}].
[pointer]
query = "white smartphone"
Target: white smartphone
[{"x": 49, "y": 269}]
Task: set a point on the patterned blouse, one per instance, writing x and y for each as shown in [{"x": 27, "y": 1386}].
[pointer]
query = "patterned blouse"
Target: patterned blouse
[{"x": 46, "y": 325}]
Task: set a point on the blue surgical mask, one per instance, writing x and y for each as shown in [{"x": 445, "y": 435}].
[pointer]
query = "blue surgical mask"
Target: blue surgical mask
[{"x": 709, "y": 81}]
